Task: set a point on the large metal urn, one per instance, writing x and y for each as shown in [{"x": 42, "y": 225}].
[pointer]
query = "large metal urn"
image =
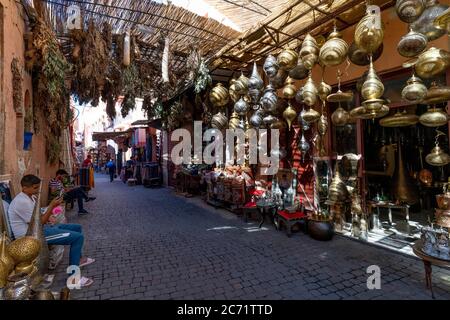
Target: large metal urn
[
  {"x": 403, "y": 188},
  {"x": 425, "y": 23}
]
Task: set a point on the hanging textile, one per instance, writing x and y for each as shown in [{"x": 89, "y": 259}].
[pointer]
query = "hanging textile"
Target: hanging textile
[{"x": 140, "y": 138}]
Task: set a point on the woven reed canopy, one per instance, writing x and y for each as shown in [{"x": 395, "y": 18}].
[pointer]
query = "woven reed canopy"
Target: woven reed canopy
[
  {"x": 102, "y": 136},
  {"x": 286, "y": 26}
]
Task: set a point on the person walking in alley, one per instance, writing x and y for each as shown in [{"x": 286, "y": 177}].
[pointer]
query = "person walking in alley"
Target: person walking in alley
[
  {"x": 57, "y": 188},
  {"x": 111, "y": 166},
  {"x": 21, "y": 210}
]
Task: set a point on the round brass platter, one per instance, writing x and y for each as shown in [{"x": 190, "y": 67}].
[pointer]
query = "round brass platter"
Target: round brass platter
[
  {"x": 362, "y": 113},
  {"x": 399, "y": 119},
  {"x": 340, "y": 96}
]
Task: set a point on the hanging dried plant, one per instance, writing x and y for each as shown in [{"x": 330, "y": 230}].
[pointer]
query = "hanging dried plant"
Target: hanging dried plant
[
  {"x": 203, "y": 79},
  {"x": 176, "y": 115},
  {"x": 53, "y": 149},
  {"x": 193, "y": 63},
  {"x": 131, "y": 88},
  {"x": 17, "y": 86}
]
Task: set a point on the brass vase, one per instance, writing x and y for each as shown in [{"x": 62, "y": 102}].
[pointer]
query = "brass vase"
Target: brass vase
[
  {"x": 425, "y": 23},
  {"x": 309, "y": 53},
  {"x": 334, "y": 51},
  {"x": 219, "y": 96},
  {"x": 409, "y": 10},
  {"x": 369, "y": 31},
  {"x": 403, "y": 187},
  {"x": 310, "y": 92},
  {"x": 287, "y": 59}
]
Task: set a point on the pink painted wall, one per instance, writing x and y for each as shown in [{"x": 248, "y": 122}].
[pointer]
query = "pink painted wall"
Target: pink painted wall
[{"x": 16, "y": 161}]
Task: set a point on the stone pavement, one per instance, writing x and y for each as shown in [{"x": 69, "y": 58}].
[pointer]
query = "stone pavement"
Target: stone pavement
[{"x": 153, "y": 244}]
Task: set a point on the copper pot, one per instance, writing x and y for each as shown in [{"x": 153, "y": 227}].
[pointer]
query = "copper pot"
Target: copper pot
[
  {"x": 412, "y": 44},
  {"x": 437, "y": 94},
  {"x": 415, "y": 91},
  {"x": 432, "y": 63},
  {"x": 409, "y": 10},
  {"x": 425, "y": 23},
  {"x": 399, "y": 119},
  {"x": 434, "y": 117}
]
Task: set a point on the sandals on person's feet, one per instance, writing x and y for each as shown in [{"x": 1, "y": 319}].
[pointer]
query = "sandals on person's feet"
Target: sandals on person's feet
[
  {"x": 86, "y": 282},
  {"x": 87, "y": 262}
]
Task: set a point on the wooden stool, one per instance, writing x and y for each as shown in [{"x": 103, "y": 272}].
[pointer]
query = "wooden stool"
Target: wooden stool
[
  {"x": 248, "y": 209},
  {"x": 131, "y": 182},
  {"x": 289, "y": 219}
]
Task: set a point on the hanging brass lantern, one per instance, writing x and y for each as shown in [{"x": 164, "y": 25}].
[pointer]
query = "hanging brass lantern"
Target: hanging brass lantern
[
  {"x": 399, "y": 119},
  {"x": 241, "y": 85},
  {"x": 287, "y": 59},
  {"x": 334, "y": 51},
  {"x": 219, "y": 121},
  {"x": 311, "y": 116},
  {"x": 360, "y": 57},
  {"x": 437, "y": 156},
  {"x": 338, "y": 191},
  {"x": 432, "y": 63},
  {"x": 302, "y": 122},
  {"x": 434, "y": 117},
  {"x": 278, "y": 81},
  {"x": 219, "y": 96},
  {"x": 372, "y": 88},
  {"x": 269, "y": 100},
  {"x": 340, "y": 117},
  {"x": 256, "y": 120},
  {"x": 299, "y": 72},
  {"x": 369, "y": 31},
  {"x": 289, "y": 89},
  {"x": 289, "y": 115},
  {"x": 409, "y": 10},
  {"x": 241, "y": 107},
  {"x": 255, "y": 84},
  {"x": 278, "y": 124},
  {"x": 309, "y": 53},
  {"x": 269, "y": 119},
  {"x": 322, "y": 125},
  {"x": 232, "y": 91},
  {"x": 412, "y": 44},
  {"x": 415, "y": 91},
  {"x": 437, "y": 94},
  {"x": 363, "y": 113},
  {"x": 442, "y": 21},
  {"x": 303, "y": 145},
  {"x": 323, "y": 91},
  {"x": 310, "y": 92},
  {"x": 425, "y": 23},
  {"x": 234, "y": 121}
]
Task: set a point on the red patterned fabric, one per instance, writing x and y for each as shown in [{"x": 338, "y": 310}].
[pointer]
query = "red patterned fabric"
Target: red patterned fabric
[
  {"x": 290, "y": 216},
  {"x": 257, "y": 193},
  {"x": 250, "y": 205}
]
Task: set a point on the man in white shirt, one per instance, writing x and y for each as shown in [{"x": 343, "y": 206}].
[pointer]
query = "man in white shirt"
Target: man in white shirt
[{"x": 21, "y": 210}]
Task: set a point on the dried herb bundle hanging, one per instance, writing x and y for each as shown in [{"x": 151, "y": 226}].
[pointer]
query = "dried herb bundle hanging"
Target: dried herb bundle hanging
[
  {"x": 131, "y": 88},
  {"x": 202, "y": 79},
  {"x": 17, "y": 86},
  {"x": 176, "y": 115}
]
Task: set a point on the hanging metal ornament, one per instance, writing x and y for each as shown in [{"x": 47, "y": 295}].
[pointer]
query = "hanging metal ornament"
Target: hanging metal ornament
[
  {"x": 219, "y": 96},
  {"x": 372, "y": 89},
  {"x": 442, "y": 21},
  {"x": 241, "y": 107},
  {"x": 304, "y": 146},
  {"x": 309, "y": 53},
  {"x": 310, "y": 92},
  {"x": 360, "y": 57},
  {"x": 425, "y": 23},
  {"x": 311, "y": 116},
  {"x": 334, "y": 51},
  {"x": 323, "y": 91},
  {"x": 289, "y": 115},
  {"x": 219, "y": 121},
  {"x": 363, "y": 113},
  {"x": 437, "y": 156},
  {"x": 299, "y": 95},
  {"x": 269, "y": 100},
  {"x": 409, "y": 10},
  {"x": 255, "y": 85},
  {"x": 305, "y": 125},
  {"x": 322, "y": 127},
  {"x": 289, "y": 89},
  {"x": 299, "y": 72},
  {"x": 415, "y": 91},
  {"x": 280, "y": 78},
  {"x": 269, "y": 119},
  {"x": 340, "y": 117},
  {"x": 232, "y": 91},
  {"x": 256, "y": 120},
  {"x": 412, "y": 44},
  {"x": 241, "y": 85},
  {"x": 234, "y": 121},
  {"x": 369, "y": 31},
  {"x": 271, "y": 66},
  {"x": 287, "y": 59}
]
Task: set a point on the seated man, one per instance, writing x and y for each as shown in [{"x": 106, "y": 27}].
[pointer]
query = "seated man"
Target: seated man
[
  {"x": 57, "y": 189},
  {"x": 21, "y": 210}
]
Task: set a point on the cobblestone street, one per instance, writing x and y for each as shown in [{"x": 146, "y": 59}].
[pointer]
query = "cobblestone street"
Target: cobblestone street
[{"x": 153, "y": 244}]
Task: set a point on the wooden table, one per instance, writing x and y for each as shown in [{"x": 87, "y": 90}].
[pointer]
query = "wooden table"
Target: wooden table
[
  {"x": 376, "y": 217},
  {"x": 264, "y": 208},
  {"x": 428, "y": 261}
]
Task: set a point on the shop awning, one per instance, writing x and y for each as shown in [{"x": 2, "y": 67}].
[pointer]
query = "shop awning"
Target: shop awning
[
  {"x": 102, "y": 136},
  {"x": 155, "y": 123}
]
